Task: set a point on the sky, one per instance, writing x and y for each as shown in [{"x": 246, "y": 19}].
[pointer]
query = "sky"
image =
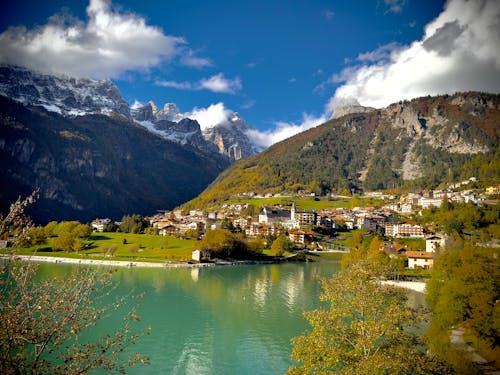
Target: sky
[{"x": 284, "y": 66}]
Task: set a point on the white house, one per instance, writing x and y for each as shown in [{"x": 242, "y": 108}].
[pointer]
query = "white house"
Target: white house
[
  {"x": 421, "y": 259},
  {"x": 434, "y": 243}
]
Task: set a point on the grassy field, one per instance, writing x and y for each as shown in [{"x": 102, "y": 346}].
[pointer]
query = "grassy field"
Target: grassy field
[
  {"x": 309, "y": 203},
  {"x": 126, "y": 246}
]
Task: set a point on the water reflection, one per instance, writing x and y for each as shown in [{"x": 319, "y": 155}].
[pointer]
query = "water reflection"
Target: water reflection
[{"x": 222, "y": 320}]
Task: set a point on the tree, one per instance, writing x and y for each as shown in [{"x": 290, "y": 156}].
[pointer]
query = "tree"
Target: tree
[
  {"x": 133, "y": 224},
  {"x": 224, "y": 244},
  {"x": 463, "y": 293},
  {"x": 281, "y": 245},
  {"x": 43, "y": 320},
  {"x": 367, "y": 329}
]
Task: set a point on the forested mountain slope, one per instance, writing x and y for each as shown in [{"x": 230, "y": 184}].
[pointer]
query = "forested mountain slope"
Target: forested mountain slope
[
  {"x": 419, "y": 143},
  {"x": 95, "y": 165}
]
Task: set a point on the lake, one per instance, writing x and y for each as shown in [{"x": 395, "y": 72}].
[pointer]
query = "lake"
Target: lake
[{"x": 220, "y": 320}]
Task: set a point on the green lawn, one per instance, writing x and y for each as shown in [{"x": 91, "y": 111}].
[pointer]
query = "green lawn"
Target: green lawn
[
  {"x": 309, "y": 203},
  {"x": 138, "y": 247}
]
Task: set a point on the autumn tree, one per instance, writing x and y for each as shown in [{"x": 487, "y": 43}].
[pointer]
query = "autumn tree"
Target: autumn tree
[
  {"x": 44, "y": 321},
  {"x": 463, "y": 294},
  {"x": 281, "y": 245},
  {"x": 366, "y": 329},
  {"x": 224, "y": 244}
]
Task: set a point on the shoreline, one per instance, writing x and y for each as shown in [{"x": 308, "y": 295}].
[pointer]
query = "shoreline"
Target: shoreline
[
  {"x": 102, "y": 262},
  {"x": 127, "y": 263}
]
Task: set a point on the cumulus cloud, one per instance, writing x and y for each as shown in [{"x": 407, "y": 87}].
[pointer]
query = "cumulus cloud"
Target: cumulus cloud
[
  {"x": 108, "y": 44},
  {"x": 218, "y": 114},
  {"x": 458, "y": 52},
  {"x": 217, "y": 83},
  {"x": 284, "y": 130},
  {"x": 215, "y": 114}
]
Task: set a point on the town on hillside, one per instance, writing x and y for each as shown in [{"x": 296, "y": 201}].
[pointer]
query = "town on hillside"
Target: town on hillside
[{"x": 317, "y": 230}]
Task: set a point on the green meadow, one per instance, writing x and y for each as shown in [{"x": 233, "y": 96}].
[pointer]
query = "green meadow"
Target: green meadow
[{"x": 124, "y": 246}]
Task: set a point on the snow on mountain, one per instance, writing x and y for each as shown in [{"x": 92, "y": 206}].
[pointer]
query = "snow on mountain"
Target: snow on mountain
[
  {"x": 224, "y": 132},
  {"x": 65, "y": 95}
]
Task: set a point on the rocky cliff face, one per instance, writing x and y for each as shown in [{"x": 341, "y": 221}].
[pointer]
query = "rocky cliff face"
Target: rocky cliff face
[
  {"x": 71, "y": 97},
  {"x": 228, "y": 138},
  {"x": 65, "y": 95},
  {"x": 427, "y": 141},
  {"x": 461, "y": 124},
  {"x": 95, "y": 166}
]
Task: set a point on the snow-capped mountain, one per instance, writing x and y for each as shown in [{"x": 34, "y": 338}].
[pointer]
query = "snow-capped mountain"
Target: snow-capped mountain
[
  {"x": 72, "y": 97},
  {"x": 227, "y": 137},
  {"x": 65, "y": 95}
]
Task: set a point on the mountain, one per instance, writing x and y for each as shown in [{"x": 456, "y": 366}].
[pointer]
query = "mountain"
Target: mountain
[
  {"x": 95, "y": 165},
  {"x": 229, "y": 137},
  {"x": 71, "y": 97},
  {"x": 347, "y": 106},
  {"x": 419, "y": 143},
  {"x": 65, "y": 95}
]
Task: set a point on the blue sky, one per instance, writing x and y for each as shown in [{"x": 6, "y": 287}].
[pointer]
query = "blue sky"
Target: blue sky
[{"x": 283, "y": 65}]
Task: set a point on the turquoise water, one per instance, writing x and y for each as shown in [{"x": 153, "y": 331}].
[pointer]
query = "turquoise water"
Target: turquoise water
[{"x": 219, "y": 320}]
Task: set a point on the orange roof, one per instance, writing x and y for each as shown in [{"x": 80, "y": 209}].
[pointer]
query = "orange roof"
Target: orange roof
[{"x": 420, "y": 254}]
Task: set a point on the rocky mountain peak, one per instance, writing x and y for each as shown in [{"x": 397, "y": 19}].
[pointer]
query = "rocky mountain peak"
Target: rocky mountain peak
[
  {"x": 346, "y": 106},
  {"x": 228, "y": 137},
  {"x": 65, "y": 95}
]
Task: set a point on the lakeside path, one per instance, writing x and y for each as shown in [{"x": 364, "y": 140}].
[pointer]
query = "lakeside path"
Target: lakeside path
[
  {"x": 418, "y": 286},
  {"x": 96, "y": 262}
]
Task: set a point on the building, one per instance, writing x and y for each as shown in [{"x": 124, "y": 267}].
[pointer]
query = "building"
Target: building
[
  {"x": 98, "y": 225},
  {"x": 420, "y": 259},
  {"x": 434, "y": 243},
  {"x": 393, "y": 248},
  {"x": 303, "y": 217},
  {"x": 430, "y": 202},
  {"x": 404, "y": 230},
  {"x": 300, "y": 237},
  {"x": 273, "y": 216}
]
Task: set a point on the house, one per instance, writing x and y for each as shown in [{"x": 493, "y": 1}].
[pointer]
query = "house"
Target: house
[
  {"x": 242, "y": 222},
  {"x": 262, "y": 231},
  {"x": 99, "y": 224},
  {"x": 420, "y": 259},
  {"x": 169, "y": 230},
  {"x": 404, "y": 230},
  {"x": 393, "y": 248},
  {"x": 434, "y": 243},
  {"x": 196, "y": 255},
  {"x": 303, "y": 217},
  {"x": 430, "y": 202},
  {"x": 300, "y": 237}
]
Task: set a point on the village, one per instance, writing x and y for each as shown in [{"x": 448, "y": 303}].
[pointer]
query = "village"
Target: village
[{"x": 318, "y": 230}]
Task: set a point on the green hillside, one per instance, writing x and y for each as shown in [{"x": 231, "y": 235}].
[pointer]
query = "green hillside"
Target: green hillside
[{"x": 414, "y": 144}]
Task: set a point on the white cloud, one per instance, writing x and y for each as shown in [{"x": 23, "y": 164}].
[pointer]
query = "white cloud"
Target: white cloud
[
  {"x": 382, "y": 53},
  {"x": 217, "y": 83},
  {"x": 458, "y": 52},
  {"x": 108, "y": 44},
  {"x": 176, "y": 85},
  {"x": 284, "y": 130},
  {"x": 215, "y": 114},
  {"x": 189, "y": 58}
]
